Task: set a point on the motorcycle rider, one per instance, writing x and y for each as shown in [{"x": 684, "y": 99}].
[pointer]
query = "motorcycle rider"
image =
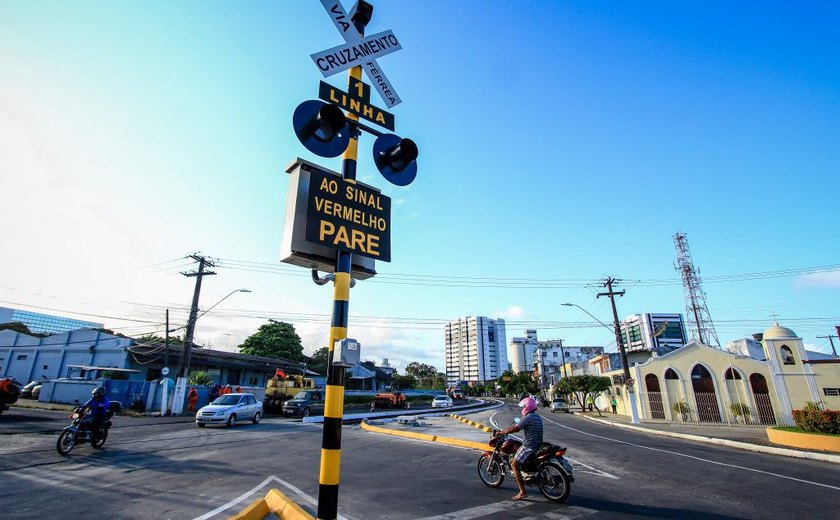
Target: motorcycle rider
[
  {"x": 98, "y": 405},
  {"x": 531, "y": 424}
]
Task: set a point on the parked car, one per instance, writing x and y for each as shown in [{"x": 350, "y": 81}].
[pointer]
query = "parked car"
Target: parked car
[
  {"x": 26, "y": 391},
  {"x": 304, "y": 404},
  {"x": 442, "y": 401},
  {"x": 36, "y": 391},
  {"x": 229, "y": 408},
  {"x": 559, "y": 405}
]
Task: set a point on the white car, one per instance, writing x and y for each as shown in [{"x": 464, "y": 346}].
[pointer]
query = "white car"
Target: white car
[
  {"x": 442, "y": 401},
  {"x": 229, "y": 408}
]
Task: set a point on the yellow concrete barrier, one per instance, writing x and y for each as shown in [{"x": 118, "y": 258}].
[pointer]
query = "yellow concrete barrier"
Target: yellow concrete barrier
[
  {"x": 472, "y": 423},
  {"x": 425, "y": 437},
  {"x": 807, "y": 441},
  {"x": 273, "y": 502}
]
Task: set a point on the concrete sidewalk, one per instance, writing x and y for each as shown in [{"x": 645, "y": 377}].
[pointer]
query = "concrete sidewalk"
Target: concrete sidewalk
[{"x": 752, "y": 439}]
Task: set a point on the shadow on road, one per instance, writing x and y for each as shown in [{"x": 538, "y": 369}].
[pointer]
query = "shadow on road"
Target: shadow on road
[
  {"x": 647, "y": 511},
  {"x": 130, "y": 461}
]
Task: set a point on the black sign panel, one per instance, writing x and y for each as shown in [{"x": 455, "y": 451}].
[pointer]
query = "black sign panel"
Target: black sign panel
[
  {"x": 357, "y": 102},
  {"x": 348, "y": 216}
]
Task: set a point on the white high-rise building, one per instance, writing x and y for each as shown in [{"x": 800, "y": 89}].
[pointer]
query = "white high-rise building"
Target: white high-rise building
[{"x": 476, "y": 349}]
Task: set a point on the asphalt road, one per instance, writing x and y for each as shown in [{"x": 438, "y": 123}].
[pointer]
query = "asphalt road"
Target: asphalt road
[{"x": 175, "y": 470}]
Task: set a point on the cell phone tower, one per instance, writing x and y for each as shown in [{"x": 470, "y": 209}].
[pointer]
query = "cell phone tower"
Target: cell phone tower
[{"x": 700, "y": 326}]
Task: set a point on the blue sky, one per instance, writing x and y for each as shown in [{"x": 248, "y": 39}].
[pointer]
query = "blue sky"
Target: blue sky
[{"x": 559, "y": 143}]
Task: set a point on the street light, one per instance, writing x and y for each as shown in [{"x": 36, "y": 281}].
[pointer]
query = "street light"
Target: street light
[
  {"x": 633, "y": 414},
  {"x": 220, "y": 301}
]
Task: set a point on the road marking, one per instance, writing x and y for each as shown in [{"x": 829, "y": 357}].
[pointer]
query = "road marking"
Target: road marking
[
  {"x": 694, "y": 457},
  {"x": 593, "y": 471},
  {"x": 254, "y": 490},
  {"x": 475, "y": 512},
  {"x": 568, "y": 512}
]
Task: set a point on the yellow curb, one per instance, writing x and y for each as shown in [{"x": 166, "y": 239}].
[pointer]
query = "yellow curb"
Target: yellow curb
[
  {"x": 426, "y": 437},
  {"x": 273, "y": 502},
  {"x": 804, "y": 440},
  {"x": 472, "y": 423}
]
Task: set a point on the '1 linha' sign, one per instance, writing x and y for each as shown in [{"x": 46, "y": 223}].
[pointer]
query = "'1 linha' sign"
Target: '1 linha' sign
[{"x": 348, "y": 216}]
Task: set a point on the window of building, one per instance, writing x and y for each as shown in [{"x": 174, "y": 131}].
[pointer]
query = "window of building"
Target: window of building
[
  {"x": 787, "y": 355},
  {"x": 21, "y": 357},
  {"x": 732, "y": 374},
  {"x": 831, "y": 391},
  {"x": 671, "y": 374}
]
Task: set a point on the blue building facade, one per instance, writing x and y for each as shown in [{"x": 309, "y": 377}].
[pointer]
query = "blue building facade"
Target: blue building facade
[{"x": 45, "y": 323}]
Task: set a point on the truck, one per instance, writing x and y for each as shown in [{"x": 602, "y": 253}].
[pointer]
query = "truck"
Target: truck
[
  {"x": 281, "y": 388},
  {"x": 304, "y": 403},
  {"x": 389, "y": 398}
]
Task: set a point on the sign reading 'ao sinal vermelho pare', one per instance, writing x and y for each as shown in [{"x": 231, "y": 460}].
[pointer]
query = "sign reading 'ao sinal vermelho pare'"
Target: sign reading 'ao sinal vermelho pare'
[{"x": 348, "y": 216}]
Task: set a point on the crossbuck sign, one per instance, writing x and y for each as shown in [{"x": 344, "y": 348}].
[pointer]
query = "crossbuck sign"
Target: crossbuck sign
[{"x": 358, "y": 51}]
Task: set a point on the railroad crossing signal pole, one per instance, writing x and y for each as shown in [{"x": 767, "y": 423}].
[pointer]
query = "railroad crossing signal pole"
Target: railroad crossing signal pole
[{"x": 334, "y": 399}]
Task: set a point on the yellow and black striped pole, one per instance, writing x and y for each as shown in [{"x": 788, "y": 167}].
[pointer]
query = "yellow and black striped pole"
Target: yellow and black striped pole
[{"x": 334, "y": 403}]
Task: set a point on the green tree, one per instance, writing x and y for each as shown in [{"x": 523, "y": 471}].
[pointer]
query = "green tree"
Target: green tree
[
  {"x": 319, "y": 362},
  {"x": 276, "y": 339},
  {"x": 582, "y": 386},
  {"x": 513, "y": 384},
  {"x": 152, "y": 338},
  {"x": 20, "y": 327},
  {"x": 405, "y": 382},
  {"x": 425, "y": 374},
  {"x": 199, "y": 378}
]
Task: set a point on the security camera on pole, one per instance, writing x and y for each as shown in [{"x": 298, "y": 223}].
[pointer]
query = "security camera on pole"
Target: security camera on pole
[{"x": 334, "y": 223}]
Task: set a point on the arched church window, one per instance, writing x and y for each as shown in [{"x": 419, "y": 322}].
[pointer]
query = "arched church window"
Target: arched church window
[
  {"x": 787, "y": 355},
  {"x": 731, "y": 374},
  {"x": 671, "y": 374}
]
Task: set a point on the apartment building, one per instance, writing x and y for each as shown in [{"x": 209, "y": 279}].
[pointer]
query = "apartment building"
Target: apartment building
[{"x": 476, "y": 349}]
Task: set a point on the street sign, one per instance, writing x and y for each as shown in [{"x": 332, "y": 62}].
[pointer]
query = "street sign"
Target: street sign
[
  {"x": 357, "y": 101},
  {"x": 371, "y": 67},
  {"x": 348, "y": 216},
  {"x": 342, "y": 57}
]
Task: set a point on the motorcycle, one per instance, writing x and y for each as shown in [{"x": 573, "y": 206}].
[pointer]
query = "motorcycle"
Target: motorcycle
[
  {"x": 546, "y": 469},
  {"x": 81, "y": 429}
]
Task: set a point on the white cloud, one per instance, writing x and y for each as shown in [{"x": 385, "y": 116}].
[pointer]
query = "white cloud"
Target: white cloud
[
  {"x": 822, "y": 280},
  {"x": 513, "y": 312},
  {"x": 825, "y": 349}
]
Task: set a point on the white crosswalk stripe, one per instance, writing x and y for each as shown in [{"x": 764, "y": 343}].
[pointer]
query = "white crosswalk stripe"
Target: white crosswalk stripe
[{"x": 565, "y": 513}]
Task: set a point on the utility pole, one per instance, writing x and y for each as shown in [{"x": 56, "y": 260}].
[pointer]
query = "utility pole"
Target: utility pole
[
  {"x": 188, "y": 338},
  {"x": 830, "y": 340},
  {"x": 166, "y": 342},
  {"x": 563, "y": 358},
  {"x": 620, "y": 342}
]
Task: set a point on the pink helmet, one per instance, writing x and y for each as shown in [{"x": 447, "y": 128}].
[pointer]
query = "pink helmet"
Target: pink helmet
[{"x": 528, "y": 405}]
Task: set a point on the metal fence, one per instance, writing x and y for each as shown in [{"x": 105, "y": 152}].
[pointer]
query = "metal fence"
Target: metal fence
[{"x": 753, "y": 411}]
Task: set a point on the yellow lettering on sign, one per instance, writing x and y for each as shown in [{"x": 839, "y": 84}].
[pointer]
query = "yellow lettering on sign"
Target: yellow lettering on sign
[
  {"x": 326, "y": 229},
  {"x": 329, "y": 185},
  {"x": 342, "y": 238},
  {"x": 380, "y": 118},
  {"x": 354, "y": 239}
]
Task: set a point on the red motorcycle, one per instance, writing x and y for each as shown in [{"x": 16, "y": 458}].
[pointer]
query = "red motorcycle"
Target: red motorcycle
[{"x": 545, "y": 469}]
